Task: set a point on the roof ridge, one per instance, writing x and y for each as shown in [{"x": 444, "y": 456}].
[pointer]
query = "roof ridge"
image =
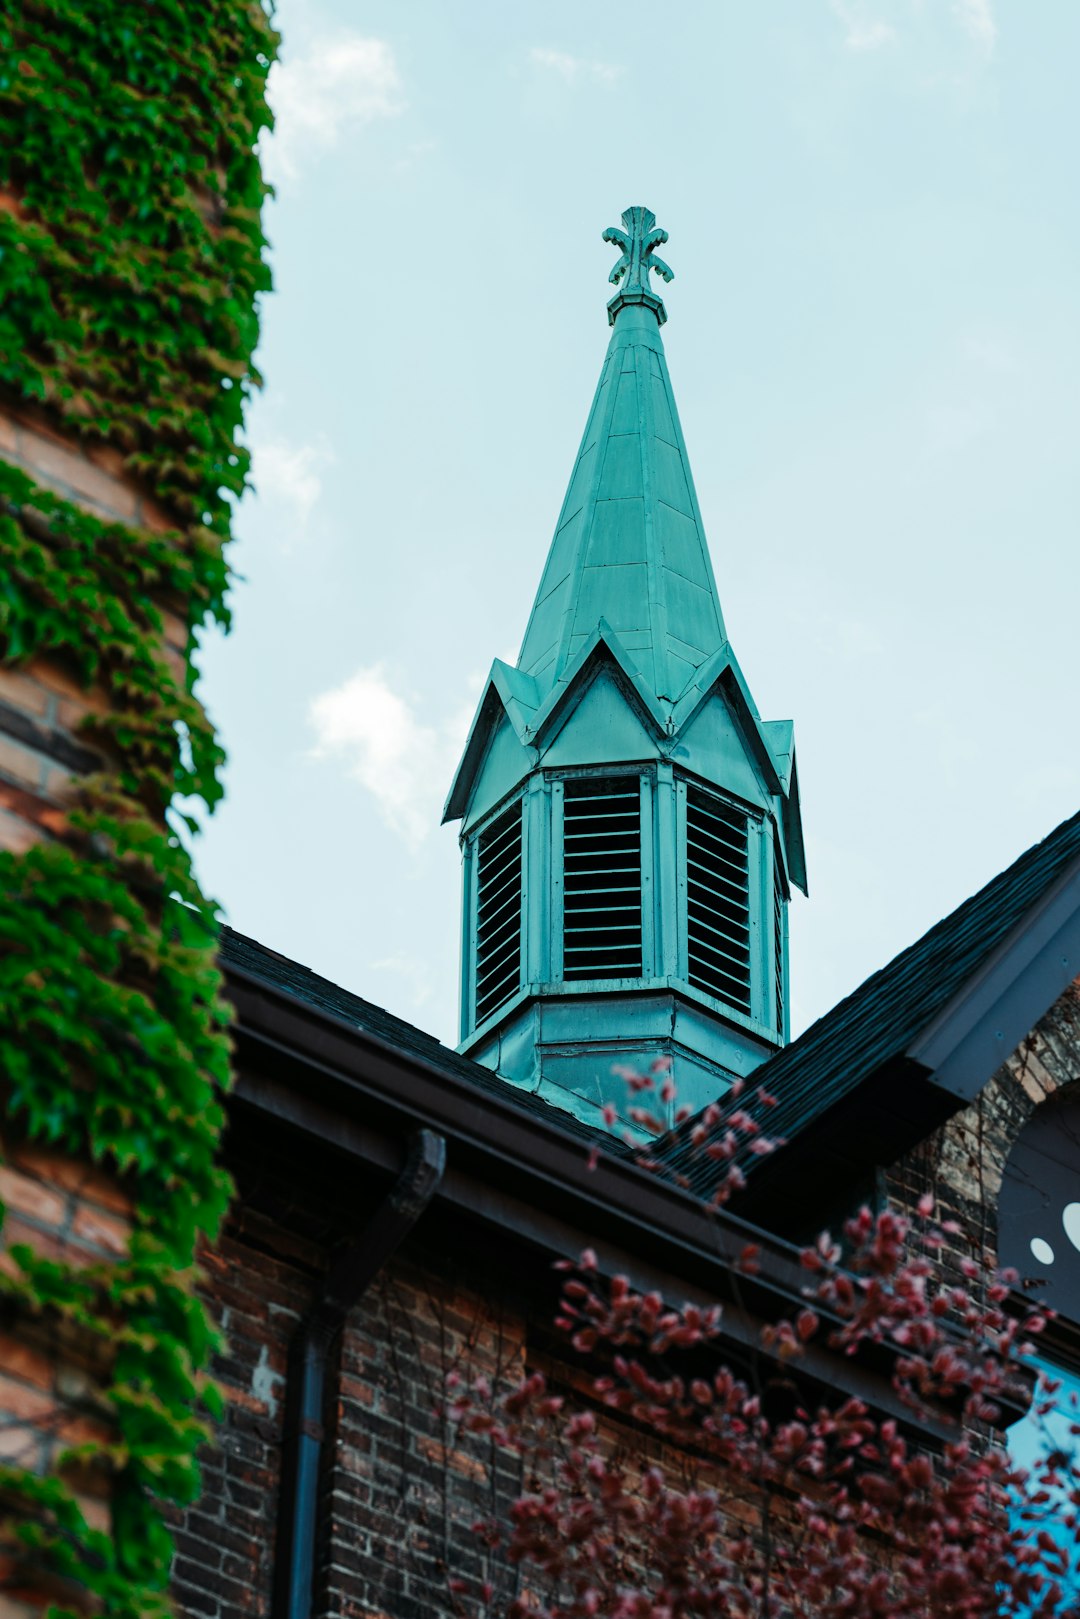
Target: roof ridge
[
  {"x": 240, "y": 953},
  {"x": 939, "y": 927},
  {"x": 235, "y": 944}
]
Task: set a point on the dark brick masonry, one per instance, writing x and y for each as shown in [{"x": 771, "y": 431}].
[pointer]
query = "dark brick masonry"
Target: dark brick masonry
[{"x": 400, "y": 1488}]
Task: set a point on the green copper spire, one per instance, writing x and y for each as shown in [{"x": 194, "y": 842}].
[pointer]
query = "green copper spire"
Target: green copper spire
[
  {"x": 630, "y": 824},
  {"x": 629, "y": 547},
  {"x": 637, "y": 245}
]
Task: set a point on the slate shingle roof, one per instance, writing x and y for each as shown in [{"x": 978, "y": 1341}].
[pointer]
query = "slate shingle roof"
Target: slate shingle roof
[
  {"x": 823, "y": 1077},
  {"x": 876, "y": 1024},
  {"x": 238, "y": 953}
]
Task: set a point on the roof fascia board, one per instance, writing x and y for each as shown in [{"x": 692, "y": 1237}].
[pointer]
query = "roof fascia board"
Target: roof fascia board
[
  {"x": 527, "y": 1147},
  {"x": 519, "y": 692},
  {"x": 780, "y": 735},
  {"x": 729, "y": 682},
  {"x": 703, "y": 680},
  {"x": 986, "y": 1021},
  {"x": 560, "y": 1238},
  {"x": 793, "y": 832}
]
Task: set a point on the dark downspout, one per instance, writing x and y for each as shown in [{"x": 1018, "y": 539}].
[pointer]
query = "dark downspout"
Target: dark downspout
[{"x": 309, "y": 1355}]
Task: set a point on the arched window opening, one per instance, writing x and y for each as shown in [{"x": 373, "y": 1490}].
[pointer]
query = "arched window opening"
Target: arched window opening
[
  {"x": 1039, "y": 1236},
  {"x": 1039, "y": 1206}
]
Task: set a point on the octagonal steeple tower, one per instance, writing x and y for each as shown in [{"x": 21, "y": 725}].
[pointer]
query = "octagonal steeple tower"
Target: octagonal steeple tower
[{"x": 630, "y": 825}]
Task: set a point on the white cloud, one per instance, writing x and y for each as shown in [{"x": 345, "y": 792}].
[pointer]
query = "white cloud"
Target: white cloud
[
  {"x": 572, "y": 69},
  {"x": 289, "y": 474},
  {"x": 339, "y": 83},
  {"x": 403, "y": 763},
  {"x": 862, "y": 32},
  {"x": 976, "y": 18},
  {"x": 865, "y": 29}
]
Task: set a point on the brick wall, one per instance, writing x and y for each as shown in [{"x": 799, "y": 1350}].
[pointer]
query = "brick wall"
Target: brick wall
[
  {"x": 49, "y": 1386},
  {"x": 50, "y": 1379},
  {"x": 399, "y": 1488},
  {"x": 404, "y": 1487},
  {"x": 962, "y": 1163},
  {"x": 258, "y": 1282},
  {"x": 41, "y": 707}
]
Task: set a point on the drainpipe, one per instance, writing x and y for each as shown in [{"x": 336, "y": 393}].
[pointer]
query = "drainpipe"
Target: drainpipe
[{"x": 309, "y": 1355}]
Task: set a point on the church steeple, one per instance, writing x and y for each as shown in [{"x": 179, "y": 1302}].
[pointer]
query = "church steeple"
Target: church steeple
[{"x": 631, "y": 826}]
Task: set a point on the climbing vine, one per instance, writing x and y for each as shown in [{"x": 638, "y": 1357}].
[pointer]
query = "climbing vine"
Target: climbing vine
[{"x": 131, "y": 258}]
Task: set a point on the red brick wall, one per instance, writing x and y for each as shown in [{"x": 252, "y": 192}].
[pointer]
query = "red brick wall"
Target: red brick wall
[
  {"x": 398, "y": 1493},
  {"x": 404, "y": 1488},
  {"x": 49, "y": 1391},
  {"x": 50, "y": 1381},
  {"x": 258, "y": 1281},
  {"x": 41, "y": 706}
]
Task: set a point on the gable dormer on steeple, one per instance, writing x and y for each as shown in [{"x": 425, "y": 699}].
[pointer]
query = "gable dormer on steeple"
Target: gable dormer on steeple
[{"x": 631, "y": 827}]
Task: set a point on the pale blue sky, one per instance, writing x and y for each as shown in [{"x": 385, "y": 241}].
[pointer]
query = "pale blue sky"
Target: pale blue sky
[{"x": 874, "y": 340}]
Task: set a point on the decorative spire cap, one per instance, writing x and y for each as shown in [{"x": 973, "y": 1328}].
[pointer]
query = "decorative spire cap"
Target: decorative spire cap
[{"x": 637, "y": 245}]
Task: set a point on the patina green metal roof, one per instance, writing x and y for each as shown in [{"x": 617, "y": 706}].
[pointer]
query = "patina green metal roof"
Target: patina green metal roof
[
  {"x": 631, "y": 823},
  {"x": 629, "y": 546},
  {"x": 628, "y": 580}
]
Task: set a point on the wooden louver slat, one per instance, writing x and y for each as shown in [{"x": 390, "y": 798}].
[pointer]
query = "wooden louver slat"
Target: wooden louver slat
[
  {"x": 602, "y": 878},
  {"x": 718, "y": 899},
  {"x": 498, "y": 919}
]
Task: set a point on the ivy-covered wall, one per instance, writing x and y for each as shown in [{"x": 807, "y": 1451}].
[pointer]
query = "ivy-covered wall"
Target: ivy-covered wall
[{"x": 131, "y": 258}]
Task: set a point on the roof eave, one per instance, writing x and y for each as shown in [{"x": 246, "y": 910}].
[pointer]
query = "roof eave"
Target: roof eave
[
  {"x": 793, "y": 830},
  {"x": 1004, "y": 999},
  {"x": 879, "y": 1118},
  {"x": 328, "y": 1079}
]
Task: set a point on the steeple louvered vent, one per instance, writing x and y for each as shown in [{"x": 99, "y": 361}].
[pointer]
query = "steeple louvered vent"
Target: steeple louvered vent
[
  {"x": 498, "y": 919},
  {"x": 602, "y": 878},
  {"x": 718, "y": 898}
]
